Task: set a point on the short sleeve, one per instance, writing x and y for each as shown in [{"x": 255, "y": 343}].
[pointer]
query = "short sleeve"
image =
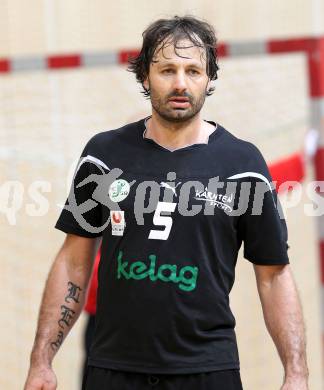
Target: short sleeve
[
  {"x": 81, "y": 214},
  {"x": 262, "y": 227}
]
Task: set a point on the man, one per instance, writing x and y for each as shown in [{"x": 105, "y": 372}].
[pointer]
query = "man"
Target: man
[{"x": 171, "y": 195}]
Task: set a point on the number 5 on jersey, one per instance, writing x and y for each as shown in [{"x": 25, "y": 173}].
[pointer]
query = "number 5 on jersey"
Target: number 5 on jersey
[{"x": 162, "y": 220}]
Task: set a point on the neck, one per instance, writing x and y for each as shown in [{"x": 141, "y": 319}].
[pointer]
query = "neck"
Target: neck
[{"x": 174, "y": 135}]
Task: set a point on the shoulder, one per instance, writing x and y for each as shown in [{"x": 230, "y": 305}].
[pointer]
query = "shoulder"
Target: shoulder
[
  {"x": 240, "y": 145},
  {"x": 243, "y": 152},
  {"x": 106, "y": 139}
]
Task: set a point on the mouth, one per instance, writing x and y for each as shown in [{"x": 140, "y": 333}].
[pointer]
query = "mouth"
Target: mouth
[{"x": 179, "y": 102}]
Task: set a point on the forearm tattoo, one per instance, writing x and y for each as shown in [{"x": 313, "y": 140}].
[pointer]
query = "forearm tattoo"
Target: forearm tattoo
[
  {"x": 67, "y": 314},
  {"x": 74, "y": 292},
  {"x": 55, "y": 345}
]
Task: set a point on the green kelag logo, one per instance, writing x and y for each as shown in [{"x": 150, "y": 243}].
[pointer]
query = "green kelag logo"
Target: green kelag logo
[{"x": 165, "y": 273}]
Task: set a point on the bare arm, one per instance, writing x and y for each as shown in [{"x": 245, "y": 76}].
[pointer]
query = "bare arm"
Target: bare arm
[
  {"x": 284, "y": 320},
  {"x": 61, "y": 305}
]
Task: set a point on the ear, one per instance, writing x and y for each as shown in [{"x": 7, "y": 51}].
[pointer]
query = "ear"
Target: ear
[
  {"x": 146, "y": 84},
  {"x": 210, "y": 84}
]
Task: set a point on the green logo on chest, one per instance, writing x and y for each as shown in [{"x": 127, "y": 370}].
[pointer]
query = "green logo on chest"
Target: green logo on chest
[{"x": 165, "y": 273}]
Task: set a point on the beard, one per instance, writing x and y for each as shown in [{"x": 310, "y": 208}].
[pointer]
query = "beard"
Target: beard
[{"x": 161, "y": 105}]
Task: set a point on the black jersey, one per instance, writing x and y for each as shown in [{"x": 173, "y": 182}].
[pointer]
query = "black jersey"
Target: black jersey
[{"x": 172, "y": 223}]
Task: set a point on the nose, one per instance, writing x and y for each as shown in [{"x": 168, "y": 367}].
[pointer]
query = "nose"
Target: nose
[{"x": 180, "y": 82}]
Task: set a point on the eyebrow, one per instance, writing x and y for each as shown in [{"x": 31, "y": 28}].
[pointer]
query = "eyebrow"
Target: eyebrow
[{"x": 194, "y": 64}]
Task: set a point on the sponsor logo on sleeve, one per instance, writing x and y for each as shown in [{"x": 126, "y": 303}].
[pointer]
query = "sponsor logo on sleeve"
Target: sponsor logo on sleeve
[
  {"x": 118, "y": 224},
  {"x": 119, "y": 190}
]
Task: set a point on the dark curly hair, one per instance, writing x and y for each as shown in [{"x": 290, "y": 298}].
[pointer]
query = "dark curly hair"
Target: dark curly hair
[{"x": 167, "y": 31}]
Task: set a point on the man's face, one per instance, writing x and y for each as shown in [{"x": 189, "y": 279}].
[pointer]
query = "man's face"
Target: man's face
[{"x": 178, "y": 85}]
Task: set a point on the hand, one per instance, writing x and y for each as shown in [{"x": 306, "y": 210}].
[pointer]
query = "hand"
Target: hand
[
  {"x": 295, "y": 383},
  {"x": 41, "y": 378}
]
